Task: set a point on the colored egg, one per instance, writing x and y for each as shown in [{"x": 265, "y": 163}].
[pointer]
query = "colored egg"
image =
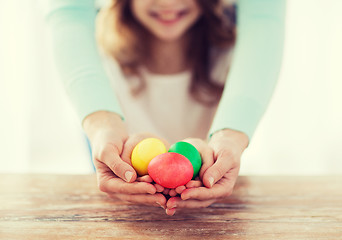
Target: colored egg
[
  {"x": 190, "y": 152},
  {"x": 170, "y": 170},
  {"x": 144, "y": 152}
]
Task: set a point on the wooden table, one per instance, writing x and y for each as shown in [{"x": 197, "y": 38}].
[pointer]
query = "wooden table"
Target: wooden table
[{"x": 71, "y": 207}]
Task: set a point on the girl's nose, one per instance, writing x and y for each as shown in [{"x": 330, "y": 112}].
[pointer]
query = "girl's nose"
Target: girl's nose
[{"x": 166, "y": 3}]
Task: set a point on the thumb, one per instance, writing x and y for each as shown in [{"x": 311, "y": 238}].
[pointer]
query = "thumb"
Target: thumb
[
  {"x": 223, "y": 164},
  {"x": 121, "y": 169}
]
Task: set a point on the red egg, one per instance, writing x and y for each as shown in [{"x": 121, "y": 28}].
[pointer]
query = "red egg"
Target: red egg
[{"x": 170, "y": 170}]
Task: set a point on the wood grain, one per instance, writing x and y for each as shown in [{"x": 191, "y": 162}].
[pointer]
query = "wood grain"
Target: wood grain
[{"x": 71, "y": 207}]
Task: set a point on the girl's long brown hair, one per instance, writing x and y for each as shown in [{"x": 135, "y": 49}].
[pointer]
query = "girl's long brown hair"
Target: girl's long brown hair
[{"x": 122, "y": 37}]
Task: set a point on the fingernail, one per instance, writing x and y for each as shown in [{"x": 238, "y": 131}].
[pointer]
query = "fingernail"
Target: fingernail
[
  {"x": 160, "y": 205},
  {"x": 211, "y": 181},
  {"x": 172, "y": 211},
  {"x": 151, "y": 191},
  {"x": 184, "y": 197},
  {"x": 128, "y": 176}
]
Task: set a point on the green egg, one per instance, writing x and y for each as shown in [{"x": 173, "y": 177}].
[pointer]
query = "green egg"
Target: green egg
[{"x": 190, "y": 152}]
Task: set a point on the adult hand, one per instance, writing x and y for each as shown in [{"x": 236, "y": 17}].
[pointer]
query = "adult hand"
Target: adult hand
[
  {"x": 107, "y": 135},
  {"x": 220, "y": 177}
]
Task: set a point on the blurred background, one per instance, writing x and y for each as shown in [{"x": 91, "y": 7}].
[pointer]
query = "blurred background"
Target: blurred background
[{"x": 299, "y": 134}]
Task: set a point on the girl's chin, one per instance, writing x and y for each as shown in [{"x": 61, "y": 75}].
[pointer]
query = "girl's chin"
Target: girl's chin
[{"x": 169, "y": 37}]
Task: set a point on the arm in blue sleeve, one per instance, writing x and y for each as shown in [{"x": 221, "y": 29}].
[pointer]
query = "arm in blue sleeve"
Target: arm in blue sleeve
[
  {"x": 256, "y": 65},
  {"x": 72, "y": 27}
]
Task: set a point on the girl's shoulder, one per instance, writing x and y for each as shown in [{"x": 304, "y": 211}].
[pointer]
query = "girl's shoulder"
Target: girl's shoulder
[{"x": 221, "y": 58}]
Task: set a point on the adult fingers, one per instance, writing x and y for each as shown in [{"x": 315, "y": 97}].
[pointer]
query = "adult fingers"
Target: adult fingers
[
  {"x": 166, "y": 191},
  {"x": 221, "y": 189},
  {"x": 109, "y": 155},
  {"x": 172, "y": 193},
  {"x": 145, "y": 178},
  {"x": 171, "y": 211},
  {"x": 112, "y": 184},
  {"x": 225, "y": 161},
  {"x": 148, "y": 179},
  {"x": 155, "y": 200},
  {"x": 180, "y": 189},
  {"x": 159, "y": 187},
  {"x": 206, "y": 152},
  {"x": 194, "y": 183}
]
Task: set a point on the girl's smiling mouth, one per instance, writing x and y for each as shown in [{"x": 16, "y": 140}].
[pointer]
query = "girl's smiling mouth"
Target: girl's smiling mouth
[{"x": 169, "y": 17}]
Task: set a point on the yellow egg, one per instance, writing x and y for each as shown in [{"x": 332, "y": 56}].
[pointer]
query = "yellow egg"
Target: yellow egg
[{"x": 144, "y": 152}]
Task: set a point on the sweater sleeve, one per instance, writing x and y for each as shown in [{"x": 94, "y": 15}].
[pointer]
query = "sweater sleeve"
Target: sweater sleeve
[
  {"x": 255, "y": 68},
  {"x": 72, "y": 28}
]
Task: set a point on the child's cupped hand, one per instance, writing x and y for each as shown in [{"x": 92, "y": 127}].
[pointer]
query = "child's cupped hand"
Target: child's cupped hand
[{"x": 219, "y": 172}]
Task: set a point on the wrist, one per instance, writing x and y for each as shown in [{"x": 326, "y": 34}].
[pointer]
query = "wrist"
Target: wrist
[
  {"x": 237, "y": 137},
  {"x": 102, "y": 120}
]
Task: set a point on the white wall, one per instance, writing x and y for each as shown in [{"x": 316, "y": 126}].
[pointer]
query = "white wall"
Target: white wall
[
  {"x": 16, "y": 71},
  {"x": 299, "y": 133},
  {"x": 39, "y": 130}
]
